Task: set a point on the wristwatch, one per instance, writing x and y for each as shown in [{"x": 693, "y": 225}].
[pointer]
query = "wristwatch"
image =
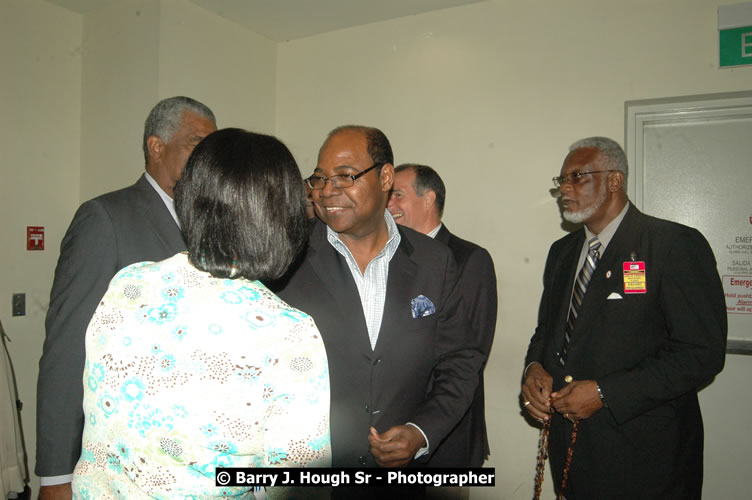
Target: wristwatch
[{"x": 600, "y": 395}]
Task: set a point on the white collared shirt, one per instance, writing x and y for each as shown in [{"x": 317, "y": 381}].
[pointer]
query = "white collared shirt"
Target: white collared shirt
[
  {"x": 166, "y": 198},
  {"x": 371, "y": 284},
  {"x": 604, "y": 237},
  {"x": 435, "y": 231}
]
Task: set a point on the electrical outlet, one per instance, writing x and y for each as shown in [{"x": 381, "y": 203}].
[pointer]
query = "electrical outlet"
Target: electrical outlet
[{"x": 19, "y": 304}]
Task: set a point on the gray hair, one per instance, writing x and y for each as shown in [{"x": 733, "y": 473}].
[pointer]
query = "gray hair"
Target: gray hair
[
  {"x": 426, "y": 179},
  {"x": 610, "y": 149},
  {"x": 167, "y": 116}
]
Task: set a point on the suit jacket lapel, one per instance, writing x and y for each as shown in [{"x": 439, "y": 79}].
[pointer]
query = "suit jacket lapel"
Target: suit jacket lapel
[
  {"x": 399, "y": 294},
  {"x": 443, "y": 235},
  {"x": 155, "y": 215},
  {"x": 564, "y": 280},
  {"x": 336, "y": 279}
]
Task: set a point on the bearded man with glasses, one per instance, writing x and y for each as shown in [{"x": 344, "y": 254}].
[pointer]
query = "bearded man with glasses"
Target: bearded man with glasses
[
  {"x": 631, "y": 324},
  {"x": 403, "y": 366}
]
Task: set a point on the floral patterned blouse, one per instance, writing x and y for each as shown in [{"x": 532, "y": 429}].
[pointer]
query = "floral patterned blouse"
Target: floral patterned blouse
[{"x": 185, "y": 373}]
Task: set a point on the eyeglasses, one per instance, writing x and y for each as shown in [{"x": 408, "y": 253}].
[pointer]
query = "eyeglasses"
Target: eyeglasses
[
  {"x": 338, "y": 181},
  {"x": 575, "y": 177}
]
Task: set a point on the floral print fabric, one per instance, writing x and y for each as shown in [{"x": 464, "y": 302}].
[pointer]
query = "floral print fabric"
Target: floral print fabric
[{"x": 186, "y": 373}]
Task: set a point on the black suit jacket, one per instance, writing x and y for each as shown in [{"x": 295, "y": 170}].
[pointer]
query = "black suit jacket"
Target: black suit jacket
[
  {"x": 106, "y": 234},
  {"x": 387, "y": 386},
  {"x": 467, "y": 444},
  {"x": 648, "y": 352}
]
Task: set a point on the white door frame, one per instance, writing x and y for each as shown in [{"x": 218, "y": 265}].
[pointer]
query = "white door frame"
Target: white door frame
[{"x": 680, "y": 110}]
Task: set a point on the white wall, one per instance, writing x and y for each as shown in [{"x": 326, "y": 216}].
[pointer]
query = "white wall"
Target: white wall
[
  {"x": 491, "y": 95},
  {"x": 120, "y": 84},
  {"x": 140, "y": 51},
  {"x": 229, "y": 68},
  {"x": 40, "y": 109}
]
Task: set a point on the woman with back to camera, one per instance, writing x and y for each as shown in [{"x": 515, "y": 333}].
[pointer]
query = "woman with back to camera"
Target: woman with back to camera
[{"x": 191, "y": 362}]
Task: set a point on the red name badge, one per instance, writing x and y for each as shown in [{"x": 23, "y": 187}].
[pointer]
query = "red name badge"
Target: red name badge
[{"x": 634, "y": 277}]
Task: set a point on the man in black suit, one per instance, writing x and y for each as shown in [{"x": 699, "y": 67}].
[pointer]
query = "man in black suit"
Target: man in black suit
[
  {"x": 387, "y": 304},
  {"x": 134, "y": 224},
  {"x": 417, "y": 202},
  {"x": 624, "y": 349}
]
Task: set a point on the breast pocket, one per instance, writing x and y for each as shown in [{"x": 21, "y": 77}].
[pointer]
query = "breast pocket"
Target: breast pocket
[
  {"x": 423, "y": 322},
  {"x": 628, "y": 309}
]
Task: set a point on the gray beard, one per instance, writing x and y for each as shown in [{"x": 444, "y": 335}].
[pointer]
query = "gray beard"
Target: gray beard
[{"x": 583, "y": 215}]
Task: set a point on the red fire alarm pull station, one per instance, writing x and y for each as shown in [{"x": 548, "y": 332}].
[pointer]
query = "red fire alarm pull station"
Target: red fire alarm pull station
[{"x": 34, "y": 238}]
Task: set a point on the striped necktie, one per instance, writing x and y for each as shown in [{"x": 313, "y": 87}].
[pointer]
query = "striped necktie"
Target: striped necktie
[{"x": 580, "y": 287}]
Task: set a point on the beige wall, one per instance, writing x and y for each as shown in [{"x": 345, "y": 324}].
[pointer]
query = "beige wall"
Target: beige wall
[
  {"x": 140, "y": 51},
  {"x": 120, "y": 83},
  {"x": 491, "y": 95},
  {"x": 40, "y": 109},
  {"x": 229, "y": 68}
]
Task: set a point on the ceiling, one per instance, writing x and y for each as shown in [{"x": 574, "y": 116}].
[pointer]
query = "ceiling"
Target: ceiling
[{"x": 282, "y": 20}]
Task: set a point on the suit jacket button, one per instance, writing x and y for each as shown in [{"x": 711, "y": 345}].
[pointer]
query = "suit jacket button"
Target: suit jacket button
[
  {"x": 366, "y": 408},
  {"x": 568, "y": 379}
]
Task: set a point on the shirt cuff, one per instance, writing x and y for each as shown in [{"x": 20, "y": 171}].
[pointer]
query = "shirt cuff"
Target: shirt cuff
[
  {"x": 55, "y": 480},
  {"x": 424, "y": 450}
]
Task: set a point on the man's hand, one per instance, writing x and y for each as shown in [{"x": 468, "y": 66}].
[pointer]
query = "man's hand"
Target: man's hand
[
  {"x": 56, "y": 492},
  {"x": 577, "y": 400},
  {"x": 536, "y": 389},
  {"x": 397, "y": 446}
]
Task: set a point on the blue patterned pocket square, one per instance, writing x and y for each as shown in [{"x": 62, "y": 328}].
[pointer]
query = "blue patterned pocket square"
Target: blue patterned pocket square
[{"x": 422, "y": 306}]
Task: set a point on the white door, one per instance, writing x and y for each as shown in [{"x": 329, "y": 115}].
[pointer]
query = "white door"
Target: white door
[{"x": 691, "y": 161}]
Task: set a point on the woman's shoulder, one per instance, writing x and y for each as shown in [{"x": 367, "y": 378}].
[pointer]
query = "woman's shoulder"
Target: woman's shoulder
[
  {"x": 263, "y": 310},
  {"x": 267, "y": 298},
  {"x": 148, "y": 267}
]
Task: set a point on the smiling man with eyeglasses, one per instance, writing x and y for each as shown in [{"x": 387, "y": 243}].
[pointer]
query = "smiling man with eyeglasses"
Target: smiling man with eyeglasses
[
  {"x": 632, "y": 322},
  {"x": 403, "y": 365}
]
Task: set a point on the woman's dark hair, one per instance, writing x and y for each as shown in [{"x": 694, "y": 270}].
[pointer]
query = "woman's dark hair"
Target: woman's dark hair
[{"x": 241, "y": 206}]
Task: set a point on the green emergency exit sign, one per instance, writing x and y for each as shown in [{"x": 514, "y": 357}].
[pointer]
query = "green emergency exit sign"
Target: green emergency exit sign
[
  {"x": 735, "y": 34},
  {"x": 736, "y": 46}
]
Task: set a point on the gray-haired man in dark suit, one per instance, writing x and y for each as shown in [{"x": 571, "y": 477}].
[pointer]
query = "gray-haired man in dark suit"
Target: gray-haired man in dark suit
[
  {"x": 134, "y": 224},
  {"x": 632, "y": 322}
]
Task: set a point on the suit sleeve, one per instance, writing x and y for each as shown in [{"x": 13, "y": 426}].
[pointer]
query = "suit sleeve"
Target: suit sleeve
[
  {"x": 542, "y": 332},
  {"x": 459, "y": 361},
  {"x": 693, "y": 307},
  {"x": 87, "y": 263},
  {"x": 478, "y": 284}
]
